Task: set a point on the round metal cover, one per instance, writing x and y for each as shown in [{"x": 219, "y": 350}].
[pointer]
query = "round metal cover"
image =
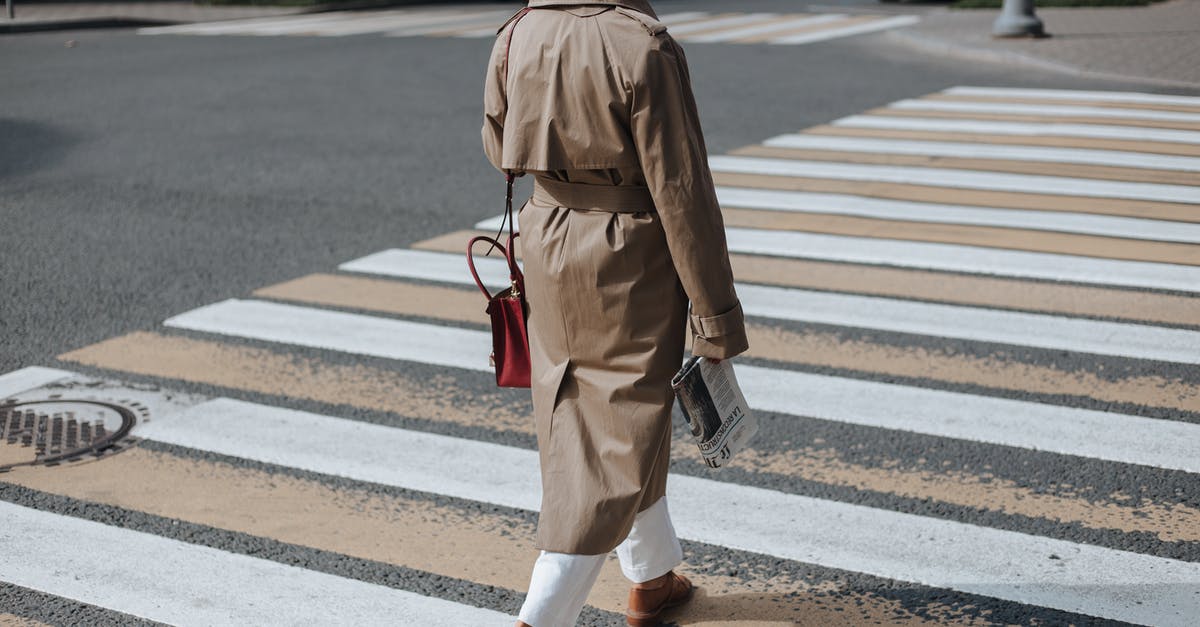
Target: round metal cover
[{"x": 57, "y": 430}]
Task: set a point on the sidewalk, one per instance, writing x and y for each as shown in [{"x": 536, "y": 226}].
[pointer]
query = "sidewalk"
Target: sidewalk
[
  {"x": 1158, "y": 44},
  {"x": 68, "y": 15}
]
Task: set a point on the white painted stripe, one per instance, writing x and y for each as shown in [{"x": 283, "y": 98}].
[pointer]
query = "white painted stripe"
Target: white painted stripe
[
  {"x": 1030, "y": 129},
  {"x": 406, "y": 459},
  {"x": 1071, "y": 431},
  {"x": 1022, "y": 424},
  {"x": 373, "y": 24},
  {"x": 1002, "y": 564},
  {"x": 773, "y": 27},
  {"x": 25, "y": 379},
  {"x": 201, "y": 27},
  {"x": 974, "y": 324},
  {"x": 869, "y": 312},
  {"x": 482, "y": 33},
  {"x": 255, "y": 26},
  {"x": 302, "y": 26},
  {"x": 392, "y": 20},
  {"x": 969, "y": 259},
  {"x": 1088, "y": 579},
  {"x": 957, "y": 258},
  {"x": 958, "y": 179},
  {"x": 858, "y": 29},
  {"x": 969, "y": 150},
  {"x": 682, "y": 16},
  {"x": 490, "y": 19},
  {"x": 338, "y": 23},
  {"x": 1014, "y": 108},
  {"x": 351, "y": 333},
  {"x": 178, "y": 583},
  {"x": 730, "y": 21},
  {"x": 1071, "y": 94},
  {"x": 428, "y": 266},
  {"x": 865, "y": 206}
]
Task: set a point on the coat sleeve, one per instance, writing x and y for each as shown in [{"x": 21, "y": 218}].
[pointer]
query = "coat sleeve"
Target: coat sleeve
[
  {"x": 670, "y": 146},
  {"x": 495, "y": 104}
]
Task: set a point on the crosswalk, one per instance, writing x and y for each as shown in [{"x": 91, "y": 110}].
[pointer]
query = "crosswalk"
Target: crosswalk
[
  {"x": 974, "y": 353},
  {"x": 473, "y": 22}
]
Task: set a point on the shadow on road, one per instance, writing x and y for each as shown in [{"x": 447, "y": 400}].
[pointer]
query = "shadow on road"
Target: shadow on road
[{"x": 27, "y": 146}]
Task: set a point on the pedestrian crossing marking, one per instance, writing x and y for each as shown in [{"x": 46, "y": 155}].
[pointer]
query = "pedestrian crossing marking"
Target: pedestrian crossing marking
[
  {"x": 1130, "y": 145},
  {"x": 978, "y": 324},
  {"x": 265, "y": 370},
  {"x": 724, "y": 22},
  {"x": 812, "y": 348},
  {"x": 1056, "y": 110},
  {"x": 1033, "y": 241},
  {"x": 1102, "y": 435},
  {"x": 956, "y": 258},
  {"x": 768, "y": 29},
  {"x": 884, "y": 157},
  {"x": 1022, "y": 219},
  {"x": 811, "y": 147},
  {"x": 860, "y": 25},
  {"x": 1065, "y": 342},
  {"x": 1086, "y": 120},
  {"x": 16, "y": 382},
  {"x": 1096, "y": 97},
  {"x": 1117, "y": 158},
  {"x": 971, "y": 125},
  {"x": 997, "y": 563},
  {"x": 934, "y": 193},
  {"x": 472, "y": 23},
  {"x": 968, "y": 179},
  {"x": 924, "y": 285},
  {"x": 142, "y": 578},
  {"x": 241, "y": 368},
  {"x": 362, "y": 523},
  {"x": 12, "y": 620}
]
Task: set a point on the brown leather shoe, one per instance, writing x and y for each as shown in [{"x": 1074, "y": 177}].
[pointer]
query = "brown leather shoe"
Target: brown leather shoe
[{"x": 648, "y": 600}]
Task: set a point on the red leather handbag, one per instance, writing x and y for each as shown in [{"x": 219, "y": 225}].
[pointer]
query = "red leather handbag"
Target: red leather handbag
[{"x": 507, "y": 309}]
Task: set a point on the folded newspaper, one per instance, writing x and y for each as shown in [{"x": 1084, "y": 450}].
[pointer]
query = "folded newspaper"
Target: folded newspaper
[{"x": 715, "y": 408}]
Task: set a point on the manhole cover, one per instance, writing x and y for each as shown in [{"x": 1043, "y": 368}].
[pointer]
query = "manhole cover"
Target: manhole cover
[{"x": 57, "y": 430}]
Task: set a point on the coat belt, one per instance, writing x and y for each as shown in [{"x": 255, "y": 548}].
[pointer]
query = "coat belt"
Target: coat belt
[{"x": 613, "y": 198}]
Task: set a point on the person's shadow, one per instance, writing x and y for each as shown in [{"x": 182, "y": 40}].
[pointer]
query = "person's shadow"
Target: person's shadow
[{"x": 27, "y": 146}]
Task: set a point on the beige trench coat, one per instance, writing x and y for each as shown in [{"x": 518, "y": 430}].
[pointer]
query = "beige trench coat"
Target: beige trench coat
[{"x": 599, "y": 94}]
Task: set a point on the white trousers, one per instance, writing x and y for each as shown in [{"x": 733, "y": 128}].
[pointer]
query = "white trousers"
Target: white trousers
[{"x": 561, "y": 582}]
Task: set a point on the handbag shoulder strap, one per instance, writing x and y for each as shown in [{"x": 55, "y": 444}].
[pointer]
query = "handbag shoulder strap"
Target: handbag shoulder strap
[
  {"x": 514, "y": 20},
  {"x": 471, "y": 259},
  {"x": 509, "y": 177}
]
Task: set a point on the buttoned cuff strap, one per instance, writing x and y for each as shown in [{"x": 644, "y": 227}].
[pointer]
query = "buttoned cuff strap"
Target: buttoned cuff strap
[{"x": 719, "y": 325}]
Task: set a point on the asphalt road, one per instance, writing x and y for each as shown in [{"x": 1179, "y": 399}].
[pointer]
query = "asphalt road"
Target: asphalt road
[{"x": 142, "y": 177}]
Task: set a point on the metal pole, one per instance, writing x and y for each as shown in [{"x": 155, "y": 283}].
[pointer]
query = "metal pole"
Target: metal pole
[
  {"x": 9, "y": 4},
  {"x": 1017, "y": 20}
]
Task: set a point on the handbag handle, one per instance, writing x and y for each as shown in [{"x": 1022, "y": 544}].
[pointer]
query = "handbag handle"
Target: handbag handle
[
  {"x": 471, "y": 260},
  {"x": 514, "y": 271}
]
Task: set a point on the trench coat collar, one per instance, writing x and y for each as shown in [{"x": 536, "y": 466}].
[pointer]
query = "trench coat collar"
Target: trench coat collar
[{"x": 642, "y": 6}]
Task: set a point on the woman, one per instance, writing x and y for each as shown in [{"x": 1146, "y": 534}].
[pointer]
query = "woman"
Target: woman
[{"x": 595, "y": 102}]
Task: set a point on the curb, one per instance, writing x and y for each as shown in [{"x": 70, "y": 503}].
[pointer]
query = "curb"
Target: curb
[
  {"x": 81, "y": 24},
  {"x": 7, "y": 27},
  {"x": 936, "y": 46}
]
